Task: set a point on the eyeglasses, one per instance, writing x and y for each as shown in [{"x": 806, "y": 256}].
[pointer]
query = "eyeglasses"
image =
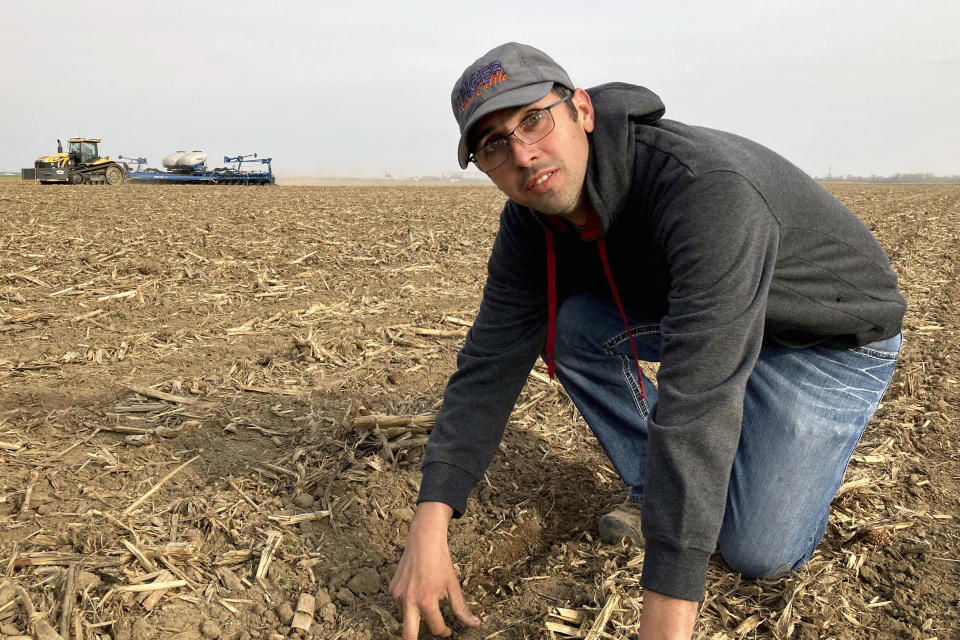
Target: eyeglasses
[{"x": 534, "y": 128}]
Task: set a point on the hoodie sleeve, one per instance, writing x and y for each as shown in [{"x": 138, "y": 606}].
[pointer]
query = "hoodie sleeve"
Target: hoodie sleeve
[
  {"x": 506, "y": 337},
  {"x": 720, "y": 241}
]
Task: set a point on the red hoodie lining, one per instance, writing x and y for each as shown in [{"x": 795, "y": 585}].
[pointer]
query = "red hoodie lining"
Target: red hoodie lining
[{"x": 591, "y": 230}]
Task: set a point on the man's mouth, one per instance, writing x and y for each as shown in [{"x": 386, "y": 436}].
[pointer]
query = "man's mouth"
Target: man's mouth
[{"x": 539, "y": 181}]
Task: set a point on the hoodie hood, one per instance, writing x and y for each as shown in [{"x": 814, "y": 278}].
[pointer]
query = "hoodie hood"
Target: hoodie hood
[{"x": 618, "y": 107}]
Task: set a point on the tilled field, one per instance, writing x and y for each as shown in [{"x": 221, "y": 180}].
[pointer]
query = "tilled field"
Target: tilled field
[{"x": 213, "y": 403}]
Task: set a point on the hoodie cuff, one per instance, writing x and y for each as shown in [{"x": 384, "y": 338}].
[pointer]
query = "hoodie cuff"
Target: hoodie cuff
[
  {"x": 446, "y": 483},
  {"x": 677, "y": 573}
]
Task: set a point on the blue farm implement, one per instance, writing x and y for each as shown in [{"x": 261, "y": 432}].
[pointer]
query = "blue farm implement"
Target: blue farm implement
[{"x": 190, "y": 168}]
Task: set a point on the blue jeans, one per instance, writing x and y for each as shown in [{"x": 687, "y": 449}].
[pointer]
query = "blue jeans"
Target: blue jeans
[{"x": 803, "y": 414}]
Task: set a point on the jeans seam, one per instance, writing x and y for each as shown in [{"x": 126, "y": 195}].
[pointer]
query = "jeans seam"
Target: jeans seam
[
  {"x": 618, "y": 339},
  {"x": 621, "y": 337},
  {"x": 876, "y": 355},
  {"x": 634, "y": 388},
  {"x": 638, "y": 400}
]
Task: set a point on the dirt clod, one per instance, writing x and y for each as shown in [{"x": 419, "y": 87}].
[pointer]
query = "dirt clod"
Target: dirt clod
[
  {"x": 345, "y": 597},
  {"x": 304, "y": 501},
  {"x": 365, "y": 582},
  {"x": 328, "y": 613},
  {"x": 321, "y": 597},
  {"x": 210, "y": 629},
  {"x": 142, "y": 629},
  {"x": 404, "y": 514},
  {"x": 230, "y": 580},
  {"x": 285, "y": 612}
]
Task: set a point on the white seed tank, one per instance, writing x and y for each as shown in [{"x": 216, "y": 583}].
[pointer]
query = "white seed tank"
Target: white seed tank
[
  {"x": 182, "y": 159},
  {"x": 170, "y": 161}
]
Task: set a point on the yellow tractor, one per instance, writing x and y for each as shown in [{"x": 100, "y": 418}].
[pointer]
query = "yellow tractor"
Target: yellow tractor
[{"x": 81, "y": 164}]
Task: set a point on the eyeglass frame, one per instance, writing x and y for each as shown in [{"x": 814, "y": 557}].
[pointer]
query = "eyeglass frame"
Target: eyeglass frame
[{"x": 473, "y": 156}]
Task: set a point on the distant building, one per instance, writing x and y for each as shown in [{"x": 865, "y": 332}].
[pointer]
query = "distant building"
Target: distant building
[
  {"x": 450, "y": 176},
  {"x": 463, "y": 176}
]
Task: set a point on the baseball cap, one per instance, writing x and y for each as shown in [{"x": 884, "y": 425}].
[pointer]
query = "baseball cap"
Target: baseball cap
[{"x": 511, "y": 75}]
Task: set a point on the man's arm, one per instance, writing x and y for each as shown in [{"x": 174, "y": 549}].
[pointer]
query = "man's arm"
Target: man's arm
[
  {"x": 492, "y": 366},
  {"x": 501, "y": 347},
  {"x": 720, "y": 242},
  {"x": 425, "y": 575},
  {"x": 666, "y": 618}
]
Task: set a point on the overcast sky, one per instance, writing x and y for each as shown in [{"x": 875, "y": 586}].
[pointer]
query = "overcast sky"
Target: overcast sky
[{"x": 357, "y": 88}]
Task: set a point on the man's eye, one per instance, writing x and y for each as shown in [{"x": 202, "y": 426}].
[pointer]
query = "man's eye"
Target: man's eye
[
  {"x": 493, "y": 145},
  {"x": 534, "y": 120}
]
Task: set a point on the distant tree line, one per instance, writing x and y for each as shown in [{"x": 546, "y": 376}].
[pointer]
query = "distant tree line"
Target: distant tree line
[{"x": 897, "y": 178}]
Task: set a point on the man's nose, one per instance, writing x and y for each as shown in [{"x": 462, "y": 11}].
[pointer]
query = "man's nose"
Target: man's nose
[{"x": 523, "y": 154}]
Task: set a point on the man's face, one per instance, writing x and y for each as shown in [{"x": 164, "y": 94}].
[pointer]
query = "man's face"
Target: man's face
[{"x": 548, "y": 175}]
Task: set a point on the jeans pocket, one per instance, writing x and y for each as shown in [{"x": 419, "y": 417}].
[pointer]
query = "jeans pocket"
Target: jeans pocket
[{"x": 882, "y": 349}]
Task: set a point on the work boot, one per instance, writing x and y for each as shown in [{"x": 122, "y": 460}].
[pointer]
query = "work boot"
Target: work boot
[{"x": 622, "y": 522}]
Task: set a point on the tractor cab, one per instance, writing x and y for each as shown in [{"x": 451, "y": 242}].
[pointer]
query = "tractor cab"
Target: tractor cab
[{"x": 83, "y": 150}]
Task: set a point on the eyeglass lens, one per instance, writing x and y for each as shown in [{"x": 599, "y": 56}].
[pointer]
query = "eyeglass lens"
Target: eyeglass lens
[{"x": 533, "y": 129}]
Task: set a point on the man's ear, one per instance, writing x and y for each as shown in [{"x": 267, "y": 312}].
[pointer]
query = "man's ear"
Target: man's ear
[{"x": 581, "y": 100}]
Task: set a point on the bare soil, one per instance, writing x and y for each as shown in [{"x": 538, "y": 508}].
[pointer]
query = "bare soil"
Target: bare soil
[{"x": 184, "y": 376}]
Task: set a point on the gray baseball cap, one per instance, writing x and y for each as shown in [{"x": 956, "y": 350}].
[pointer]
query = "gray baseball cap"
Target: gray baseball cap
[{"x": 511, "y": 75}]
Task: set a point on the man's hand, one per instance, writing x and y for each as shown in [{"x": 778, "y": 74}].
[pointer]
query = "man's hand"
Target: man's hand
[
  {"x": 425, "y": 575},
  {"x": 666, "y": 618}
]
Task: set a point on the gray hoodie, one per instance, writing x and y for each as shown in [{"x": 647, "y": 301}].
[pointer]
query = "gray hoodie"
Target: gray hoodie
[{"x": 724, "y": 242}]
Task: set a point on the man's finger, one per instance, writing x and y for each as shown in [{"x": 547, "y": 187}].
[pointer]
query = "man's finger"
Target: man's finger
[
  {"x": 434, "y": 619},
  {"x": 411, "y": 622},
  {"x": 460, "y": 607}
]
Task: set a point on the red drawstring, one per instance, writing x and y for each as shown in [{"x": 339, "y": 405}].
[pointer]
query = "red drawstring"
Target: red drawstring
[
  {"x": 551, "y": 303},
  {"x": 591, "y": 230}
]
